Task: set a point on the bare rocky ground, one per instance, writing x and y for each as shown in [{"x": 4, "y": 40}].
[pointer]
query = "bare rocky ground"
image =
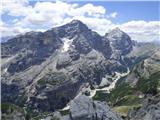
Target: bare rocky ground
[{"x": 43, "y": 72}]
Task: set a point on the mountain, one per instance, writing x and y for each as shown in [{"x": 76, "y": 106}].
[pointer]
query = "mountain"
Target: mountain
[
  {"x": 118, "y": 41},
  {"x": 81, "y": 108},
  {"x": 5, "y": 39},
  {"x": 145, "y": 68},
  {"x": 44, "y": 71},
  {"x": 136, "y": 95},
  {"x": 149, "y": 111}
]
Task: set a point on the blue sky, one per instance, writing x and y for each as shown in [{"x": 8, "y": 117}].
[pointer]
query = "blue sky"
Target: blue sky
[
  {"x": 140, "y": 19},
  {"x": 128, "y": 11},
  {"x": 133, "y": 10}
]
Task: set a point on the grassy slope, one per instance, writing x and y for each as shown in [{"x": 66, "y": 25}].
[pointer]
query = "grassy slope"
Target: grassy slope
[
  {"x": 9, "y": 111},
  {"x": 123, "y": 97}
]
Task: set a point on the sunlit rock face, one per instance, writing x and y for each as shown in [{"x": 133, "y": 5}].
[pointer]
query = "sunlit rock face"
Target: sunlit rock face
[
  {"x": 46, "y": 70},
  {"x": 120, "y": 42},
  {"x": 84, "y": 108}
]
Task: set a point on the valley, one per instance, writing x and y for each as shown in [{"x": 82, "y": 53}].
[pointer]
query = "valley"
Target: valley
[{"x": 71, "y": 72}]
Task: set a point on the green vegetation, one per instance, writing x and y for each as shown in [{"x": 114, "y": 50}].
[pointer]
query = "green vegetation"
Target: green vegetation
[
  {"x": 101, "y": 96},
  {"x": 11, "y": 111},
  {"x": 8, "y": 108},
  {"x": 123, "y": 110},
  {"x": 41, "y": 82},
  {"x": 124, "y": 94},
  {"x": 30, "y": 113},
  {"x": 64, "y": 112},
  {"x": 45, "y": 115},
  {"x": 52, "y": 79},
  {"x": 129, "y": 100},
  {"x": 149, "y": 85},
  {"x": 41, "y": 116},
  {"x": 125, "y": 97},
  {"x": 120, "y": 92}
]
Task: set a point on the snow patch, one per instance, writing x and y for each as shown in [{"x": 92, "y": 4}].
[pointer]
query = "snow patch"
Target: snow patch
[
  {"x": 5, "y": 70},
  {"x": 106, "y": 89},
  {"x": 112, "y": 85},
  {"x": 66, "y": 44},
  {"x": 105, "y": 80}
]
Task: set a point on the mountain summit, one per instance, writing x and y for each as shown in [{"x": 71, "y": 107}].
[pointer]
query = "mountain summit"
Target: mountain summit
[
  {"x": 71, "y": 29},
  {"x": 120, "y": 42},
  {"x": 44, "y": 71}
]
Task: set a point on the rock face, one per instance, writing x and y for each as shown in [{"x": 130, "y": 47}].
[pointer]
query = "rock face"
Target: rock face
[
  {"x": 145, "y": 68},
  {"x": 120, "y": 41},
  {"x": 83, "y": 108},
  {"x": 149, "y": 111},
  {"x": 44, "y": 71},
  {"x": 38, "y": 71},
  {"x": 12, "y": 112}
]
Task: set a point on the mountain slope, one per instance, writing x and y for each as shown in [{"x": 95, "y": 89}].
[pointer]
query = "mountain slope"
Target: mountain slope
[
  {"x": 44, "y": 71},
  {"x": 132, "y": 91}
]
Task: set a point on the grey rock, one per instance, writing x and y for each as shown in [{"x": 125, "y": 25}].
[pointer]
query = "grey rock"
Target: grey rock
[
  {"x": 63, "y": 61},
  {"x": 145, "y": 68},
  {"x": 38, "y": 75},
  {"x": 31, "y": 63},
  {"x": 84, "y": 108},
  {"x": 120, "y": 42},
  {"x": 12, "y": 112},
  {"x": 74, "y": 54},
  {"x": 104, "y": 112},
  {"x": 81, "y": 108},
  {"x": 149, "y": 111}
]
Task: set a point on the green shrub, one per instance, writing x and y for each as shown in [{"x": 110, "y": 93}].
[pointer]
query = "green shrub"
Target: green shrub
[
  {"x": 65, "y": 112},
  {"x": 149, "y": 85}
]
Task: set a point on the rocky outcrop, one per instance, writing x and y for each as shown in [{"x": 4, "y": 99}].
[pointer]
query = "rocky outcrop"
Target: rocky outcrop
[
  {"x": 41, "y": 73},
  {"x": 63, "y": 61},
  {"x": 145, "y": 68},
  {"x": 149, "y": 111},
  {"x": 32, "y": 64},
  {"x": 12, "y": 112},
  {"x": 81, "y": 108},
  {"x": 84, "y": 108},
  {"x": 120, "y": 42}
]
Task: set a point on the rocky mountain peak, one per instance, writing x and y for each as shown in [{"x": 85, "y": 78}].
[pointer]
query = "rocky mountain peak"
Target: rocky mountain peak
[
  {"x": 76, "y": 22},
  {"x": 71, "y": 29},
  {"x": 120, "y": 41},
  {"x": 77, "y": 25},
  {"x": 57, "y": 66},
  {"x": 116, "y": 33}
]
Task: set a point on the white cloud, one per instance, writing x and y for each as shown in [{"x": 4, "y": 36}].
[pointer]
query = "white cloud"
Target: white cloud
[
  {"x": 45, "y": 15},
  {"x": 11, "y": 31},
  {"x": 88, "y": 9},
  {"x": 54, "y": 13},
  {"x": 16, "y": 7},
  {"x": 49, "y": 14},
  {"x": 142, "y": 30},
  {"x": 114, "y": 14}
]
